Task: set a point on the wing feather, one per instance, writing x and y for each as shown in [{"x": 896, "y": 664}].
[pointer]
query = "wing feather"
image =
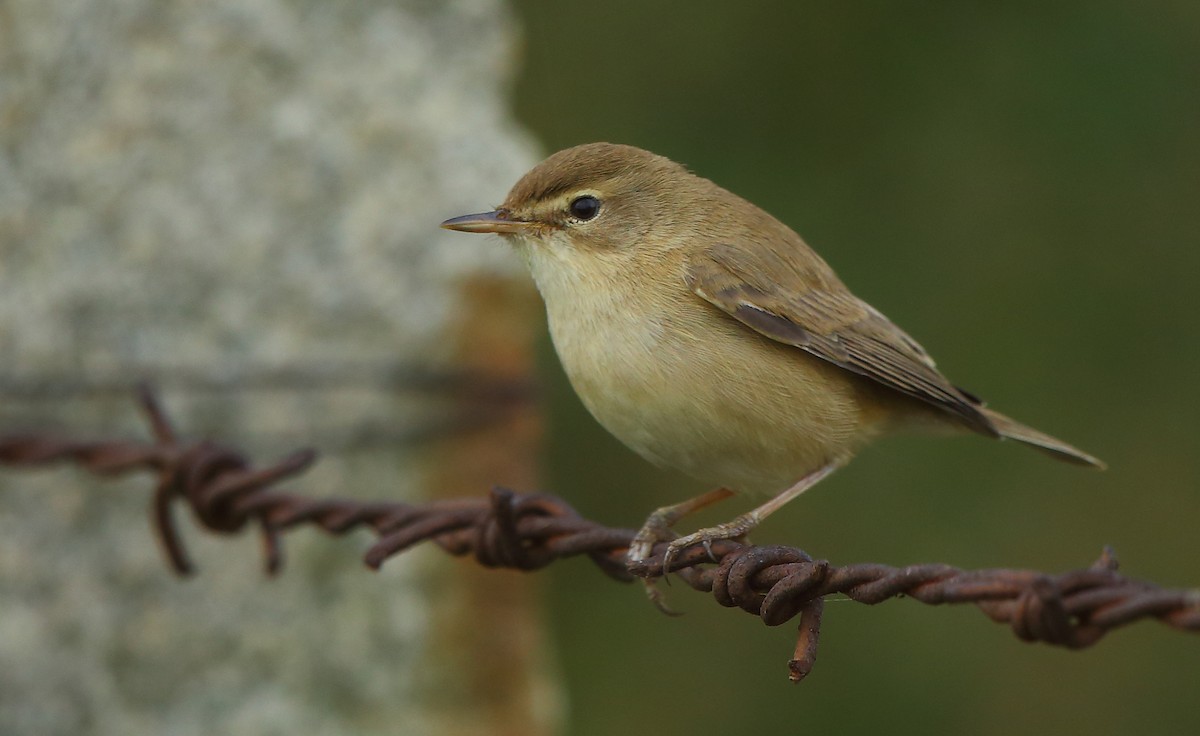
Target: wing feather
[{"x": 806, "y": 306}]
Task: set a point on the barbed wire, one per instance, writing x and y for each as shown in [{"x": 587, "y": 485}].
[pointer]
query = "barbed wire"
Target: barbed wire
[{"x": 226, "y": 492}]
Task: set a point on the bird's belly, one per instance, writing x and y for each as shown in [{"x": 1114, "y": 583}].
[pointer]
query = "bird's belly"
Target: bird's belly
[{"x": 722, "y": 403}]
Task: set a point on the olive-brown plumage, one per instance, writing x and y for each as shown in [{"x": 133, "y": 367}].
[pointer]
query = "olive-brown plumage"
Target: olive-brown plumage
[{"x": 706, "y": 335}]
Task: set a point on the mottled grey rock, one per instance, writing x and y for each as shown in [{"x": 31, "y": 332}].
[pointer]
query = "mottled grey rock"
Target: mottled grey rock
[{"x": 211, "y": 194}]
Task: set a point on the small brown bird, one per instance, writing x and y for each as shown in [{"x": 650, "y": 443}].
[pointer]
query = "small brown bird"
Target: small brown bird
[{"x": 707, "y": 336}]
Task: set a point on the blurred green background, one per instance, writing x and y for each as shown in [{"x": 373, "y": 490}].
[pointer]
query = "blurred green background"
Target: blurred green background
[{"x": 1017, "y": 185}]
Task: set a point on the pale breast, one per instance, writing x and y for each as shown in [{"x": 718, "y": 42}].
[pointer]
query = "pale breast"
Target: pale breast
[{"x": 687, "y": 387}]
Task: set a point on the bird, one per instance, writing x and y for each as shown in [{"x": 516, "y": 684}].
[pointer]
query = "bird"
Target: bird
[{"x": 707, "y": 336}]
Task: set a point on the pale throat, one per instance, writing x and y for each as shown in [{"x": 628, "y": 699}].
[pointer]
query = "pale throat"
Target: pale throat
[{"x": 597, "y": 314}]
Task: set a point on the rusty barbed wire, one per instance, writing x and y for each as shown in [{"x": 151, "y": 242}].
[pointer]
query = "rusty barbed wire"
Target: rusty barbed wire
[{"x": 225, "y": 492}]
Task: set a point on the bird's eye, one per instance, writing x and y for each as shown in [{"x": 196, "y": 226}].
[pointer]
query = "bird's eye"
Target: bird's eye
[{"x": 585, "y": 208}]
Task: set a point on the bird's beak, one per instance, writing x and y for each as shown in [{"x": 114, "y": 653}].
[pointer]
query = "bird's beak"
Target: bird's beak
[{"x": 498, "y": 221}]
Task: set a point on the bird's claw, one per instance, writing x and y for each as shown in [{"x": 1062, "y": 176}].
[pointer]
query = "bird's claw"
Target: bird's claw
[
  {"x": 654, "y": 531},
  {"x": 658, "y": 529},
  {"x": 736, "y": 529},
  {"x": 657, "y": 598}
]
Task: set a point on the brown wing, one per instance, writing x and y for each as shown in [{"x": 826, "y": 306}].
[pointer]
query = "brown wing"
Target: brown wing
[{"x": 803, "y": 304}]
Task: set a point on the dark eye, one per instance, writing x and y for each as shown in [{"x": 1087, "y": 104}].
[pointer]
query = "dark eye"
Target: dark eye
[{"x": 585, "y": 207}]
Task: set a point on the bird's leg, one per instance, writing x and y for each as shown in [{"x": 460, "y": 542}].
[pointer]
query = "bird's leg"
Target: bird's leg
[
  {"x": 742, "y": 525},
  {"x": 658, "y": 529},
  {"x": 658, "y": 525}
]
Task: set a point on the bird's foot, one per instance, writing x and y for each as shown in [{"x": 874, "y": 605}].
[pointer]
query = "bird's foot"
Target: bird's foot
[
  {"x": 658, "y": 599},
  {"x": 658, "y": 525},
  {"x": 736, "y": 529},
  {"x": 656, "y": 529}
]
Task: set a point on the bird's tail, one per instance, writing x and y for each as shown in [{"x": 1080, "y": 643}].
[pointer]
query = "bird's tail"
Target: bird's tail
[{"x": 1056, "y": 448}]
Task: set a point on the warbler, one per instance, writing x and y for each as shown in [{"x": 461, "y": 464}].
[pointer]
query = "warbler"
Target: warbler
[{"x": 707, "y": 336}]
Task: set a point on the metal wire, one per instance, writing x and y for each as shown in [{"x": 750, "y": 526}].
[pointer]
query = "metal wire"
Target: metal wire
[{"x": 225, "y": 492}]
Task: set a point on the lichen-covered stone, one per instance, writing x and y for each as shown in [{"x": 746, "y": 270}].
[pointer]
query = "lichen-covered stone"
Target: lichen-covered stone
[{"x": 240, "y": 199}]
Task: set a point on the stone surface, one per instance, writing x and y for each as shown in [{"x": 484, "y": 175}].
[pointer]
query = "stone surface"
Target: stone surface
[{"x": 240, "y": 199}]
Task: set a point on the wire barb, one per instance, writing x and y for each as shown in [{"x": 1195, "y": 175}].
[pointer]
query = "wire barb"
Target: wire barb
[{"x": 225, "y": 492}]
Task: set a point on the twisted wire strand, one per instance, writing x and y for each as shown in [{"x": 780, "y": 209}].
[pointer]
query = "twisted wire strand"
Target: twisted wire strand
[{"x": 225, "y": 492}]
